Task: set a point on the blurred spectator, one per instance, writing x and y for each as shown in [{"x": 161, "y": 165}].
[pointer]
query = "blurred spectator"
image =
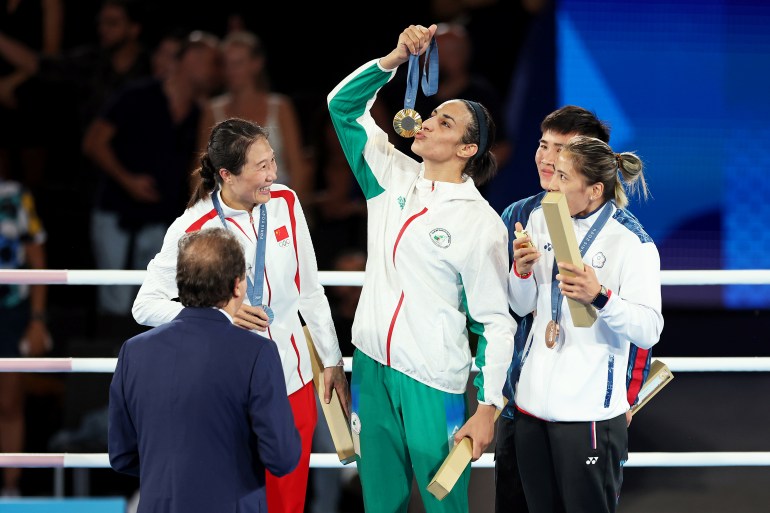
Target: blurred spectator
[
  {"x": 38, "y": 25},
  {"x": 22, "y": 314},
  {"x": 248, "y": 96},
  {"x": 144, "y": 142},
  {"x": 63, "y": 93},
  {"x": 87, "y": 74},
  {"x": 164, "y": 52}
]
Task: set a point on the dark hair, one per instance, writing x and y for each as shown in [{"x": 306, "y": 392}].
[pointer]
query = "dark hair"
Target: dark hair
[
  {"x": 598, "y": 163},
  {"x": 228, "y": 144},
  {"x": 481, "y": 131},
  {"x": 573, "y": 119},
  {"x": 208, "y": 263}
]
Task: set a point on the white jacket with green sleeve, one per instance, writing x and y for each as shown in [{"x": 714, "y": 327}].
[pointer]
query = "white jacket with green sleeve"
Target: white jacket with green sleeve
[{"x": 437, "y": 258}]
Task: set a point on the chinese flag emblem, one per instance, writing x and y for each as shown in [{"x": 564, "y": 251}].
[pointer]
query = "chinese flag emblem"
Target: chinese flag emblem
[{"x": 281, "y": 233}]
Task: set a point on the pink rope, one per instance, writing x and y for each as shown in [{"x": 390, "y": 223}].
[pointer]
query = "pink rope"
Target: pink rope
[
  {"x": 35, "y": 364},
  {"x": 32, "y": 460},
  {"x": 33, "y": 276}
]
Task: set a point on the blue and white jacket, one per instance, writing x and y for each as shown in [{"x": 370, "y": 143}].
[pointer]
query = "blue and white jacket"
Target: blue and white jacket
[{"x": 583, "y": 378}]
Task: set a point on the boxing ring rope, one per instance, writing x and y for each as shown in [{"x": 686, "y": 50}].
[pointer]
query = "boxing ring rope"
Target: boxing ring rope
[
  {"x": 635, "y": 459},
  {"x": 352, "y": 278},
  {"x": 104, "y": 365},
  {"x": 334, "y": 278}
]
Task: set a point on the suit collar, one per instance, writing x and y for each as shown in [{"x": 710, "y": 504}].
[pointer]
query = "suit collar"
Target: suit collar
[{"x": 212, "y": 314}]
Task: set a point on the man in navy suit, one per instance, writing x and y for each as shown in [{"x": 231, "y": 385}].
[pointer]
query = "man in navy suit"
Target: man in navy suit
[{"x": 198, "y": 406}]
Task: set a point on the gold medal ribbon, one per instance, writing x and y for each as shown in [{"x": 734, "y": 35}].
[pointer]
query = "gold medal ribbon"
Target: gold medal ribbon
[{"x": 407, "y": 121}]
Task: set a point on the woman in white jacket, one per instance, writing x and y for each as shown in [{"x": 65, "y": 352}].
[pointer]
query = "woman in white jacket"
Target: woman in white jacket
[
  {"x": 436, "y": 270},
  {"x": 237, "y": 191},
  {"x": 571, "y": 434}
]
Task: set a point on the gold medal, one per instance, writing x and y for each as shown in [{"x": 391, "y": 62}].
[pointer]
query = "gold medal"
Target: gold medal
[
  {"x": 551, "y": 333},
  {"x": 407, "y": 122}
]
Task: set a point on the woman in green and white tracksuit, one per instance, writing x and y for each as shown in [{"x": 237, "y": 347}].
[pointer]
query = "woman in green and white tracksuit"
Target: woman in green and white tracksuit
[{"x": 437, "y": 269}]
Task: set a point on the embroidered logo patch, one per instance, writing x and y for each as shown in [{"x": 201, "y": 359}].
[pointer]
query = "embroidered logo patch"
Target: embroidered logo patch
[
  {"x": 547, "y": 246},
  {"x": 599, "y": 260},
  {"x": 441, "y": 237},
  {"x": 592, "y": 460},
  {"x": 401, "y": 202}
]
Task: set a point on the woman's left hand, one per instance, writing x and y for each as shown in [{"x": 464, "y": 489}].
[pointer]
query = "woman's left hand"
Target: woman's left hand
[
  {"x": 578, "y": 283},
  {"x": 480, "y": 428}
]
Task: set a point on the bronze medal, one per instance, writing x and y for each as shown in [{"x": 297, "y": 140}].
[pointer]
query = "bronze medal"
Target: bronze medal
[
  {"x": 407, "y": 122},
  {"x": 551, "y": 333}
]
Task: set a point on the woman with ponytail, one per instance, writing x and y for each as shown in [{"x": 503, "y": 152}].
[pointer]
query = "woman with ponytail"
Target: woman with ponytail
[
  {"x": 571, "y": 435},
  {"x": 236, "y": 189}
]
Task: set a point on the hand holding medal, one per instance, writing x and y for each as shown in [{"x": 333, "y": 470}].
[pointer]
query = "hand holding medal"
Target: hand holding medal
[
  {"x": 270, "y": 315},
  {"x": 407, "y": 121},
  {"x": 254, "y": 287}
]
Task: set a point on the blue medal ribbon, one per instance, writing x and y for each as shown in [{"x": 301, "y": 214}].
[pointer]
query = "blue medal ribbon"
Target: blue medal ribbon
[
  {"x": 429, "y": 75},
  {"x": 408, "y": 121},
  {"x": 253, "y": 288}
]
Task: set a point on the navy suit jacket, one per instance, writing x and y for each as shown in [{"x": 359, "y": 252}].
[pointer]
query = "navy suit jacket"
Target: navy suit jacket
[{"x": 198, "y": 409}]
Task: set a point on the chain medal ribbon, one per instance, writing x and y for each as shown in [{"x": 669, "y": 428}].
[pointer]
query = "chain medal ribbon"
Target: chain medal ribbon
[
  {"x": 407, "y": 121},
  {"x": 254, "y": 288}
]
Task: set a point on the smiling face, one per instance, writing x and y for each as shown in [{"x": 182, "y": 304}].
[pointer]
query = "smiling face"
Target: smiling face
[
  {"x": 441, "y": 136},
  {"x": 582, "y": 199},
  {"x": 547, "y": 151},
  {"x": 252, "y": 186}
]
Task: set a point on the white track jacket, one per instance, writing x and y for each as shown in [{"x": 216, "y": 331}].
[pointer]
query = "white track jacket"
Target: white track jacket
[
  {"x": 437, "y": 258},
  {"x": 290, "y": 286},
  {"x": 583, "y": 377}
]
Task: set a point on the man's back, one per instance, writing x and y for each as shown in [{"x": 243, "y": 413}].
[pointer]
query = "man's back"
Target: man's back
[{"x": 200, "y": 405}]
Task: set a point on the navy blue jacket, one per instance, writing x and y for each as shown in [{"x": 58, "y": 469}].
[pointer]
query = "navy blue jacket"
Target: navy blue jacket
[{"x": 198, "y": 409}]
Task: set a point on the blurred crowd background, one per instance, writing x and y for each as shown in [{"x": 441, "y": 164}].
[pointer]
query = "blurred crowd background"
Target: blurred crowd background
[{"x": 66, "y": 123}]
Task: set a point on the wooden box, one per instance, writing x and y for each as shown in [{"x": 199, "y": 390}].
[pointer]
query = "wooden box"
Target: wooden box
[
  {"x": 338, "y": 423},
  {"x": 659, "y": 376},
  {"x": 453, "y": 466},
  {"x": 566, "y": 249}
]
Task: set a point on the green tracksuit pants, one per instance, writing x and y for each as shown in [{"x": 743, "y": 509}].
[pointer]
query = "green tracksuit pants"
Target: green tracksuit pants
[{"x": 405, "y": 430}]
